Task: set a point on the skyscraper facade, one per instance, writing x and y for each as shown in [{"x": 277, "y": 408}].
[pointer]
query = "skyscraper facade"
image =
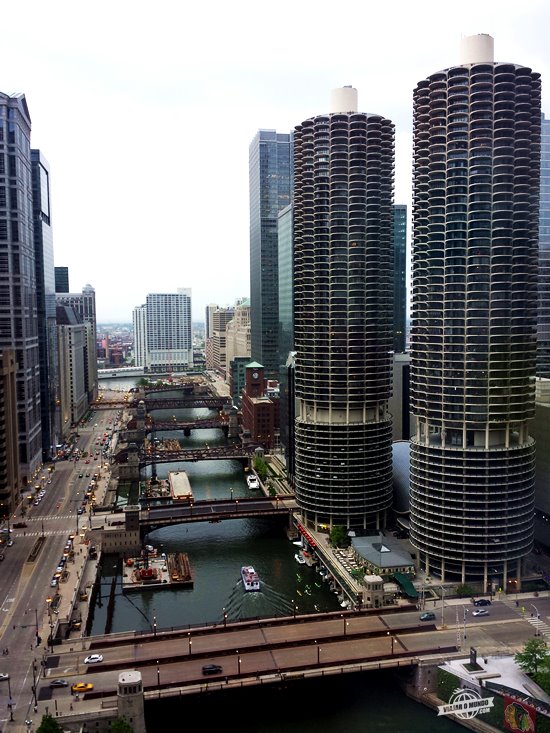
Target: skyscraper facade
[
  {"x": 270, "y": 173},
  {"x": 343, "y": 315},
  {"x": 45, "y": 300},
  {"x": 84, "y": 305},
  {"x": 399, "y": 278},
  {"x": 62, "y": 280},
  {"x": 543, "y": 324},
  {"x": 18, "y": 314},
  {"x": 474, "y": 267},
  {"x": 168, "y": 331}
]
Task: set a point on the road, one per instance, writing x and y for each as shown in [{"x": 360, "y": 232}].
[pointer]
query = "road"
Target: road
[{"x": 26, "y": 584}]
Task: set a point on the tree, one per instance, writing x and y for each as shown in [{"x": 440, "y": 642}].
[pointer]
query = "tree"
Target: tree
[
  {"x": 120, "y": 725},
  {"x": 49, "y": 725},
  {"x": 339, "y": 536},
  {"x": 532, "y": 657}
]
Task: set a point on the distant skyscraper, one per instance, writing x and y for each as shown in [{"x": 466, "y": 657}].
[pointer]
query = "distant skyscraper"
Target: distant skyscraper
[
  {"x": 62, "y": 280},
  {"x": 84, "y": 305},
  {"x": 343, "y": 315},
  {"x": 476, "y": 207},
  {"x": 169, "y": 339},
  {"x": 45, "y": 299},
  {"x": 73, "y": 340},
  {"x": 270, "y": 173},
  {"x": 140, "y": 335},
  {"x": 18, "y": 314},
  {"x": 399, "y": 278},
  {"x": 543, "y": 346}
]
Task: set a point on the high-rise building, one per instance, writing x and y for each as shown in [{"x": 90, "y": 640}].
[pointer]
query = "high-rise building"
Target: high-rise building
[
  {"x": 286, "y": 325},
  {"x": 84, "y": 305},
  {"x": 140, "y": 336},
  {"x": 45, "y": 301},
  {"x": 18, "y": 314},
  {"x": 474, "y": 307},
  {"x": 220, "y": 318},
  {"x": 73, "y": 341},
  {"x": 62, "y": 280},
  {"x": 543, "y": 322},
  {"x": 237, "y": 335},
  {"x": 270, "y": 174},
  {"x": 399, "y": 278},
  {"x": 10, "y": 478},
  {"x": 169, "y": 339},
  {"x": 343, "y": 315}
]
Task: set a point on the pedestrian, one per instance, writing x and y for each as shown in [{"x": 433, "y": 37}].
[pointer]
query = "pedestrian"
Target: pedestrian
[{"x": 71, "y": 706}]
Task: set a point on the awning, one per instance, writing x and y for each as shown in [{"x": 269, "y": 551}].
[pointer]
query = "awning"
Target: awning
[
  {"x": 306, "y": 534},
  {"x": 406, "y": 584}
]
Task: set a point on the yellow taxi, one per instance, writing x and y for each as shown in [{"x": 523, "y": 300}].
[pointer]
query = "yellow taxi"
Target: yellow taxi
[{"x": 82, "y": 687}]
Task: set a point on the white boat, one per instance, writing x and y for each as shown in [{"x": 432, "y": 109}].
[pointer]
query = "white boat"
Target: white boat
[
  {"x": 251, "y": 579},
  {"x": 252, "y": 481},
  {"x": 299, "y": 559}
]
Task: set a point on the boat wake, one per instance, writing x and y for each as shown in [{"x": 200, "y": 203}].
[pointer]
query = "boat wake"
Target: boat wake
[{"x": 265, "y": 602}]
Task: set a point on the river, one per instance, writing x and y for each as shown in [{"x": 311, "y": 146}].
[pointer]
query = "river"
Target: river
[{"x": 372, "y": 702}]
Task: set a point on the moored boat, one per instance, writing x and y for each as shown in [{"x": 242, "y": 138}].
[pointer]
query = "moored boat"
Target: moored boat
[
  {"x": 250, "y": 578},
  {"x": 300, "y": 559},
  {"x": 252, "y": 481}
]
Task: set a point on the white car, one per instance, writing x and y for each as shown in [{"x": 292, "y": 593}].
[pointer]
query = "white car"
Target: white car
[
  {"x": 4, "y": 676},
  {"x": 93, "y": 659}
]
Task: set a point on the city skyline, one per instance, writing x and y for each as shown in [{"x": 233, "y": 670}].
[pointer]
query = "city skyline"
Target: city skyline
[{"x": 120, "y": 191}]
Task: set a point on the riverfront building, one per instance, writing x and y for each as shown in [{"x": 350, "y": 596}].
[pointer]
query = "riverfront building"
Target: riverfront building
[
  {"x": 399, "y": 278},
  {"x": 543, "y": 325},
  {"x": 83, "y": 304},
  {"x": 162, "y": 332},
  {"x": 18, "y": 313},
  {"x": 270, "y": 173},
  {"x": 474, "y": 307},
  {"x": 343, "y": 315},
  {"x": 45, "y": 302}
]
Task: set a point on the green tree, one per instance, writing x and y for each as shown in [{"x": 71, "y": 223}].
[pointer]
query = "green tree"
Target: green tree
[
  {"x": 49, "y": 725},
  {"x": 260, "y": 467},
  {"x": 465, "y": 591},
  {"x": 121, "y": 725},
  {"x": 339, "y": 536},
  {"x": 533, "y": 656}
]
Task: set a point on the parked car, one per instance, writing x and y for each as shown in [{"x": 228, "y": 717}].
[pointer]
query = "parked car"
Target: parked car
[
  {"x": 4, "y": 676},
  {"x": 480, "y": 612},
  {"x": 481, "y": 602},
  {"x": 427, "y": 616},
  {"x": 59, "y": 683},
  {"x": 212, "y": 669},
  {"x": 82, "y": 687},
  {"x": 93, "y": 659}
]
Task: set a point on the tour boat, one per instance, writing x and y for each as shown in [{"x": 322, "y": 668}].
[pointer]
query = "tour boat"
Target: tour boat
[
  {"x": 300, "y": 559},
  {"x": 252, "y": 481},
  {"x": 251, "y": 579}
]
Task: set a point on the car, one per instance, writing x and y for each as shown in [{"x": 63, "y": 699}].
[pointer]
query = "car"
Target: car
[
  {"x": 4, "y": 676},
  {"x": 10, "y": 543},
  {"x": 53, "y": 583},
  {"x": 80, "y": 510},
  {"x": 19, "y": 525},
  {"x": 427, "y": 616},
  {"x": 480, "y": 612},
  {"x": 82, "y": 687},
  {"x": 212, "y": 669},
  {"x": 93, "y": 659},
  {"x": 59, "y": 683},
  {"x": 80, "y": 475},
  {"x": 482, "y": 602}
]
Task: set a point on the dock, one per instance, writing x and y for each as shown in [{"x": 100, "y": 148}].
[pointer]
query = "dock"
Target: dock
[{"x": 153, "y": 571}]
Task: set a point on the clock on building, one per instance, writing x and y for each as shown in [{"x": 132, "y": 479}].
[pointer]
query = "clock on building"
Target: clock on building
[{"x": 254, "y": 375}]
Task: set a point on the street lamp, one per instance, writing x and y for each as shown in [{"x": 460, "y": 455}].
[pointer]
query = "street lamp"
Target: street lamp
[
  {"x": 154, "y": 626},
  {"x": 158, "y": 676},
  {"x": 345, "y": 625},
  {"x": 224, "y": 617},
  {"x": 392, "y": 638},
  {"x": 465, "y": 613},
  {"x": 238, "y": 662},
  {"x": 190, "y": 642},
  {"x": 318, "y": 654},
  {"x": 293, "y": 607}
]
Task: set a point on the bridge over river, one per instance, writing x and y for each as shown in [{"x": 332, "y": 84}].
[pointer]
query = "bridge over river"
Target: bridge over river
[{"x": 251, "y": 652}]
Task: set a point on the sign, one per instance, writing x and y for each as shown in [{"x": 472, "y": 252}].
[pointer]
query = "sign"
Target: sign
[
  {"x": 466, "y": 704},
  {"x": 518, "y": 716}
]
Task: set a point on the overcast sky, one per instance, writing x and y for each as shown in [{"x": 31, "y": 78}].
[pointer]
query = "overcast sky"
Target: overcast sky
[{"x": 145, "y": 112}]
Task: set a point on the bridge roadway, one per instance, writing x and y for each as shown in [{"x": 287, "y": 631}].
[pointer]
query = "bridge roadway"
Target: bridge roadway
[
  {"x": 253, "y": 651},
  {"x": 208, "y": 453},
  {"x": 209, "y": 422},
  {"x": 213, "y": 403},
  {"x": 214, "y": 510}
]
